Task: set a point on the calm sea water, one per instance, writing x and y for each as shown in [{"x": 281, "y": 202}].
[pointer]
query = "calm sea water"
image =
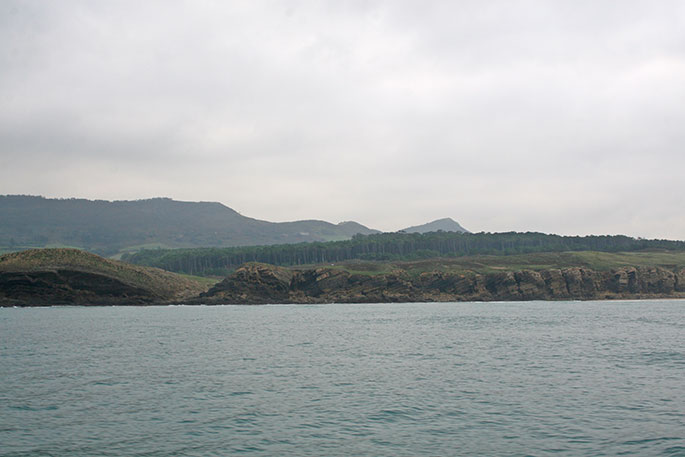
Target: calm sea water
[{"x": 535, "y": 378}]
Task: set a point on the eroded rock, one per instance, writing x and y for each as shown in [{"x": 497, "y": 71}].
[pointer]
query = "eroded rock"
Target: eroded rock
[{"x": 260, "y": 283}]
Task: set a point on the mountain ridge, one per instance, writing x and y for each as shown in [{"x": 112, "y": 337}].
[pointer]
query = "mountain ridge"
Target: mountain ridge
[{"x": 113, "y": 227}]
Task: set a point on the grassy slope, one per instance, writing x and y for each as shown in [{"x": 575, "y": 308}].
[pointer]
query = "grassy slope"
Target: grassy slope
[
  {"x": 599, "y": 261},
  {"x": 159, "y": 281}
]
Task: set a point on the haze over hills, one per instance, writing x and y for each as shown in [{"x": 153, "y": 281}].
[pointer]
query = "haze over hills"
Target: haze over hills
[
  {"x": 446, "y": 225},
  {"x": 111, "y": 227}
]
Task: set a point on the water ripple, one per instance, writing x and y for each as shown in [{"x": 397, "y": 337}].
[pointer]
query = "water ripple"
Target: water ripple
[{"x": 563, "y": 378}]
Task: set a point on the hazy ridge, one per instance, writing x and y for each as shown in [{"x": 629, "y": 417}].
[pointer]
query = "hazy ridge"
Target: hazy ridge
[{"x": 111, "y": 227}]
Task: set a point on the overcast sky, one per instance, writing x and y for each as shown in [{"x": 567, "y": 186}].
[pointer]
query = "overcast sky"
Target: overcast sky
[{"x": 562, "y": 117}]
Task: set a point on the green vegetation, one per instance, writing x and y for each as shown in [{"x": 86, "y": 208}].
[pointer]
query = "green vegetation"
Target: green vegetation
[
  {"x": 206, "y": 281},
  {"x": 160, "y": 282},
  {"x": 111, "y": 228},
  {"x": 396, "y": 247},
  {"x": 485, "y": 264}
]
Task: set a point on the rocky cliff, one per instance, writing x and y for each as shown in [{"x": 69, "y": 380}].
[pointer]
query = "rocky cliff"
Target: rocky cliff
[
  {"x": 261, "y": 283},
  {"x": 68, "y": 276}
]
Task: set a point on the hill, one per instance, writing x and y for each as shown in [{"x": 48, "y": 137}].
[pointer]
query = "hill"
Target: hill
[
  {"x": 108, "y": 228},
  {"x": 445, "y": 225},
  {"x": 70, "y": 276}
]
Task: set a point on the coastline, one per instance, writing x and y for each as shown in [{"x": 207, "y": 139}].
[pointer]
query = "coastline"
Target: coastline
[{"x": 261, "y": 283}]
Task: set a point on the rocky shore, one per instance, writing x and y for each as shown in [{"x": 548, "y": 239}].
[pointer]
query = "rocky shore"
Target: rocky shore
[
  {"x": 44, "y": 277},
  {"x": 71, "y": 277},
  {"x": 257, "y": 283}
]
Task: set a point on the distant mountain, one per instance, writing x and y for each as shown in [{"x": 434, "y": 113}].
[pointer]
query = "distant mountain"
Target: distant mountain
[
  {"x": 445, "y": 225},
  {"x": 111, "y": 227}
]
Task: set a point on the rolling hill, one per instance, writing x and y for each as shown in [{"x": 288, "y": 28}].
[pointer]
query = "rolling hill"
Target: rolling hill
[
  {"x": 114, "y": 227},
  {"x": 74, "y": 277}
]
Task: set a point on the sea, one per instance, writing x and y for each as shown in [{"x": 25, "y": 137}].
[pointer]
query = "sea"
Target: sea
[{"x": 566, "y": 378}]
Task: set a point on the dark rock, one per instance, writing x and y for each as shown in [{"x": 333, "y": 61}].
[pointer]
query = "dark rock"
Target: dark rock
[
  {"x": 581, "y": 283},
  {"x": 531, "y": 285},
  {"x": 555, "y": 284},
  {"x": 254, "y": 283},
  {"x": 260, "y": 283},
  {"x": 69, "y": 287},
  {"x": 654, "y": 280},
  {"x": 680, "y": 281},
  {"x": 503, "y": 286},
  {"x": 319, "y": 281}
]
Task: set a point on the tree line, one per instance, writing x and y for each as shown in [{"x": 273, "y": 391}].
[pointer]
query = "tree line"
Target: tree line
[{"x": 387, "y": 247}]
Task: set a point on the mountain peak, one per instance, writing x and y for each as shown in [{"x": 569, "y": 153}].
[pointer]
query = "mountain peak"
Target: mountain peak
[{"x": 446, "y": 224}]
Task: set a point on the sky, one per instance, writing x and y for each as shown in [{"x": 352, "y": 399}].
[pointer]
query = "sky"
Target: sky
[{"x": 551, "y": 116}]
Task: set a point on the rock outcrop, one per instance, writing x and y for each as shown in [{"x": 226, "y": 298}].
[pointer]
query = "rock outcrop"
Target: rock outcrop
[
  {"x": 260, "y": 283},
  {"x": 42, "y": 277},
  {"x": 69, "y": 287},
  {"x": 72, "y": 277}
]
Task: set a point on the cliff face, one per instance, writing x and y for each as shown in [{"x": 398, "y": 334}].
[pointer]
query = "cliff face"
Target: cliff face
[
  {"x": 260, "y": 283},
  {"x": 69, "y": 287},
  {"x": 72, "y": 277}
]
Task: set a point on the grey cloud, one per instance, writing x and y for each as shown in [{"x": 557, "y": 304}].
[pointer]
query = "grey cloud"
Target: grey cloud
[{"x": 525, "y": 115}]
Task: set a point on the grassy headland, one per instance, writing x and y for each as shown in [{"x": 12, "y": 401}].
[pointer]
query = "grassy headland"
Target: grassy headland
[{"x": 44, "y": 276}]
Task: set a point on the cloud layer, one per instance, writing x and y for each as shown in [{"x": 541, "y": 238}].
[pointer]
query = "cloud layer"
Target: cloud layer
[{"x": 562, "y": 117}]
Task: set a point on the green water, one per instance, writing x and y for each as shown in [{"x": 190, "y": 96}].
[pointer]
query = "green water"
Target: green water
[{"x": 535, "y": 378}]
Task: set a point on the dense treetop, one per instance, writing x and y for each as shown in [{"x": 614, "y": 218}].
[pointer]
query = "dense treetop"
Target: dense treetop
[{"x": 389, "y": 246}]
